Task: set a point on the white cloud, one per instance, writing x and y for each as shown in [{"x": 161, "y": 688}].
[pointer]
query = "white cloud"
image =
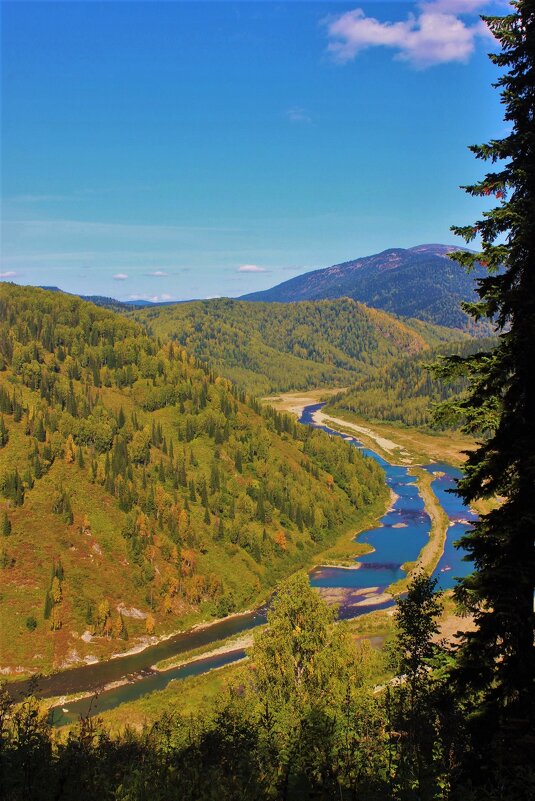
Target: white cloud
[
  {"x": 120, "y": 276},
  {"x": 158, "y": 274},
  {"x": 8, "y": 274},
  {"x": 298, "y": 115},
  {"x": 434, "y": 35},
  {"x": 154, "y": 298},
  {"x": 251, "y": 268}
]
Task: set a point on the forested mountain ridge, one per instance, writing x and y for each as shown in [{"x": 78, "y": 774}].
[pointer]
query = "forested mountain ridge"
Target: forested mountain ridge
[
  {"x": 421, "y": 282},
  {"x": 269, "y": 347},
  {"x": 138, "y": 489}
]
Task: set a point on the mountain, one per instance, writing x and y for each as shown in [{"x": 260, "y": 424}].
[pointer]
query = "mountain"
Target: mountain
[
  {"x": 140, "y": 492},
  {"x": 419, "y": 282},
  {"x": 103, "y": 300},
  {"x": 268, "y": 347}
]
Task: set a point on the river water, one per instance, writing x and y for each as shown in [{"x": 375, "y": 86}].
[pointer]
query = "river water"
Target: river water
[{"x": 398, "y": 538}]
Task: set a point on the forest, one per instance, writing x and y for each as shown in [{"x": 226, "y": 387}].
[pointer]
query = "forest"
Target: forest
[
  {"x": 275, "y": 347},
  {"x": 406, "y": 391},
  {"x": 139, "y": 490}
]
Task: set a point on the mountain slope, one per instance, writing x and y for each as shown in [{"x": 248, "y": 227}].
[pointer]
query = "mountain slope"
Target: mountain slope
[
  {"x": 277, "y": 347},
  {"x": 419, "y": 282},
  {"x": 404, "y": 391},
  {"x": 138, "y": 491}
]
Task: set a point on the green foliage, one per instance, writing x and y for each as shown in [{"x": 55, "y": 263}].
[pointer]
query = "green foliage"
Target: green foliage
[
  {"x": 406, "y": 391},
  {"x": 419, "y": 705},
  {"x": 304, "y": 720},
  {"x": 189, "y": 497},
  {"x": 12, "y": 487},
  {"x": 416, "y": 619},
  {"x": 278, "y": 347},
  {"x": 301, "y": 658},
  {"x": 61, "y": 505},
  {"x": 4, "y": 434}
]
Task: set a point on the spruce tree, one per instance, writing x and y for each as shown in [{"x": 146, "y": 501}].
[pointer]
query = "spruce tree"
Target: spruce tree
[
  {"x": 6, "y": 525},
  {"x": 496, "y": 662}
]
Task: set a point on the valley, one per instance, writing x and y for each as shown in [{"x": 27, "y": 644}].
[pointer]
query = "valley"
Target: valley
[
  {"x": 186, "y": 462},
  {"x": 412, "y": 445},
  {"x": 141, "y": 493},
  {"x": 414, "y": 525}
]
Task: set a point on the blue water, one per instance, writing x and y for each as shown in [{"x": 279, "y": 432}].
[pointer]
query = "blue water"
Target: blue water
[
  {"x": 393, "y": 545},
  {"x": 402, "y": 532},
  {"x": 139, "y": 686}
]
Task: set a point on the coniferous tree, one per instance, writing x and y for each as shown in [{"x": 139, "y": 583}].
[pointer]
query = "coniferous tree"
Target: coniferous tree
[
  {"x": 4, "y": 435},
  {"x": 6, "y": 525},
  {"x": 496, "y": 661}
]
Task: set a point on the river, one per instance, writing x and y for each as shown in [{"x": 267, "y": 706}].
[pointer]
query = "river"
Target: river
[{"x": 399, "y": 537}]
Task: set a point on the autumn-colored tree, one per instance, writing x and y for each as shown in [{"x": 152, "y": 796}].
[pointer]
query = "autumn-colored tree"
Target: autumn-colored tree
[
  {"x": 70, "y": 450},
  {"x": 55, "y": 591}
]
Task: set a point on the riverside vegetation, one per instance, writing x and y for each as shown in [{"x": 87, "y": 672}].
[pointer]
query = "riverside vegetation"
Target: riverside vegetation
[{"x": 304, "y": 719}]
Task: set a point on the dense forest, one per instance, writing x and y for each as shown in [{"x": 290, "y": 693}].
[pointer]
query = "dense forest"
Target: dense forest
[
  {"x": 139, "y": 490},
  {"x": 278, "y": 347},
  {"x": 406, "y": 391}
]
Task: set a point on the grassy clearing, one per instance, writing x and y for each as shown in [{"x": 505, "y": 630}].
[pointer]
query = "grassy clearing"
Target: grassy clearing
[
  {"x": 416, "y": 447},
  {"x": 422, "y": 447}
]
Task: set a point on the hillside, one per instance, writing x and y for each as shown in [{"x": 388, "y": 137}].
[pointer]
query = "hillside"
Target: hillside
[
  {"x": 404, "y": 391},
  {"x": 419, "y": 282},
  {"x": 269, "y": 347},
  {"x": 138, "y": 491}
]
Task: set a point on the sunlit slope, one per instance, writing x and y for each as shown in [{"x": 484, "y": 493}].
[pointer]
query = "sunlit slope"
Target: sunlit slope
[
  {"x": 269, "y": 347},
  {"x": 138, "y": 491}
]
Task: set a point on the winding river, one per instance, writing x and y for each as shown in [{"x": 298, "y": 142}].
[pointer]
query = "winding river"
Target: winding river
[{"x": 399, "y": 537}]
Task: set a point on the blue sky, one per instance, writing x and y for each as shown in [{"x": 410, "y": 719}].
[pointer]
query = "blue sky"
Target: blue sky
[{"x": 179, "y": 150}]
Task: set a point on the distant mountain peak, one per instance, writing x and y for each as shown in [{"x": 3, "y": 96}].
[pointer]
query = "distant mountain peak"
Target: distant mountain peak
[{"x": 420, "y": 282}]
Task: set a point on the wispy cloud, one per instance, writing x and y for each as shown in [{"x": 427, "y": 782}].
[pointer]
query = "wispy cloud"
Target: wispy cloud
[
  {"x": 298, "y": 115},
  {"x": 91, "y": 229},
  {"x": 434, "y": 35},
  {"x": 8, "y": 274},
  {"x": 120, "y": 277},
  {"x": 37, "y": 198},
  {"x": 251, "y": 268},
  {"x": 154, "y": 298}
]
